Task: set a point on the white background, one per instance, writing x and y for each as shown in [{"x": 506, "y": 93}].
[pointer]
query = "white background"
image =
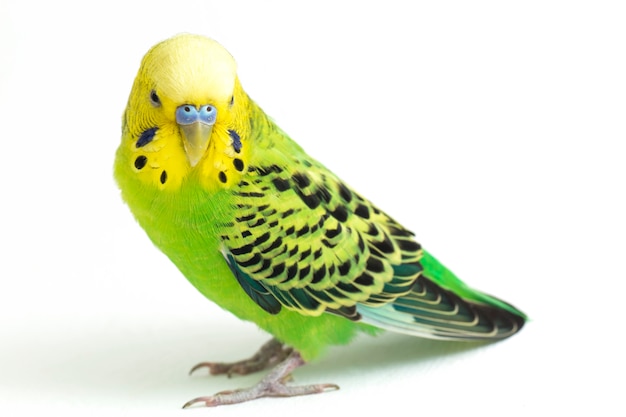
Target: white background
[{"x": 495, "y": 131}]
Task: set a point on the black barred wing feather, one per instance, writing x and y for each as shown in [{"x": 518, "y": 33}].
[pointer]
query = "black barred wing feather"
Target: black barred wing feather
[
  {"x": 435, "y": 312},
  {"x": 304, "y": 241},
  {"x": 254, "y": 289}
]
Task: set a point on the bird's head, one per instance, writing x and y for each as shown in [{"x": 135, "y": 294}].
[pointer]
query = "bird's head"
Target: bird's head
[{"x": 184, "y": 115}]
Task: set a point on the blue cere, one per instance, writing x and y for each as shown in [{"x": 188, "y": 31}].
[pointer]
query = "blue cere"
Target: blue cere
[
  {"x": 188, "y": 114},
  {"x": 207, "y": 115}
]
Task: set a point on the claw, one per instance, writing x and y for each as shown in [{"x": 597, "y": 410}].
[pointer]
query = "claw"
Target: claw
[
  {"x": 210, "y": 401},
  {"x": 273, "y": 385},
  {"x": 215, "y": 368},
  {"x": 270, "y": 354}
]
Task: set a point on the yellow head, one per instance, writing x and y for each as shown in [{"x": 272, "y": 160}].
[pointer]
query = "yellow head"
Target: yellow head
[{"x": 183, "y": 115}]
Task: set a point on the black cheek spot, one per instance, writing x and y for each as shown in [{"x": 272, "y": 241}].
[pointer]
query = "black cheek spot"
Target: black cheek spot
[
  {"x": 238, "y": 163},
  {"x": 222, "y": 177},
  {"x": 141, "y": 161},
  {"x": 163, "y": 177}
]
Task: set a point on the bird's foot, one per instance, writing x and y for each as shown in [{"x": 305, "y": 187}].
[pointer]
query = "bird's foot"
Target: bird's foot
[
  {"x": 270, "y": 354},
  {"x": 273, "y": 385}
]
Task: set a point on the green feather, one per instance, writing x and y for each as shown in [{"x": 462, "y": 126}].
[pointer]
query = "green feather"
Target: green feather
[{"x": 444, "y": 277}]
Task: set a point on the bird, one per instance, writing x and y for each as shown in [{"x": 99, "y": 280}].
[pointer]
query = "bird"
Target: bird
[{"x": 268, "y": 233}]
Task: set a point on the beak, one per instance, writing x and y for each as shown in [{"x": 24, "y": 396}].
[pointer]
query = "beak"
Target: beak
[{"x": 196, "y": 125}]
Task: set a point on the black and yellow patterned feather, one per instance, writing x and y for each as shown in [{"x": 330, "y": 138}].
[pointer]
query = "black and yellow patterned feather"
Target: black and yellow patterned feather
[{"x": 305, "y": 241}]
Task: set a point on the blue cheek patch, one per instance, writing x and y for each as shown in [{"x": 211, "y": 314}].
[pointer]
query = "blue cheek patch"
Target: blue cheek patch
[
  {"x": 146, "y": 137},
  {"x": 236, "y": 140}
]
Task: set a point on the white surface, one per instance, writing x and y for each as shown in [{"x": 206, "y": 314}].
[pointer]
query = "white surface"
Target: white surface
[{"x": 496, "y": 132}]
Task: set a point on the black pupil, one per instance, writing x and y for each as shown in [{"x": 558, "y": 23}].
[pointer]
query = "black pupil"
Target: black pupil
[{"x": 154, "y": 97}]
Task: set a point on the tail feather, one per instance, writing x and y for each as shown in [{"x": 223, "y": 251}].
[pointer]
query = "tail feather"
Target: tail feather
[{"x": 435, "y": 312}]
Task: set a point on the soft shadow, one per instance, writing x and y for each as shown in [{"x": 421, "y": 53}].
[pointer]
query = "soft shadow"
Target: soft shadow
[
  {"x": 388, "y": 351},
  {"x": 134, "y": 365}
]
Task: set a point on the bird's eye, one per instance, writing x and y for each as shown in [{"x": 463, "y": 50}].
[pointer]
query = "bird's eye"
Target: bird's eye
[
  {"x": 154, "y": 99},
  {"x": 232, "y": 101}
]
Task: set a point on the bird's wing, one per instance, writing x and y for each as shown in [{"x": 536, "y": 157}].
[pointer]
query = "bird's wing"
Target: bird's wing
[{"x": 303, "y": 240}]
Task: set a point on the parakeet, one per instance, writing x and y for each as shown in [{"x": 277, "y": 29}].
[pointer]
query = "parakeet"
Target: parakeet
[{"x": 269, "y": 233}]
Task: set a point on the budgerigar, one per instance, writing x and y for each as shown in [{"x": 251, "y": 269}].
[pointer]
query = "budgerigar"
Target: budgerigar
[{"x": 268, "y": 233}]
